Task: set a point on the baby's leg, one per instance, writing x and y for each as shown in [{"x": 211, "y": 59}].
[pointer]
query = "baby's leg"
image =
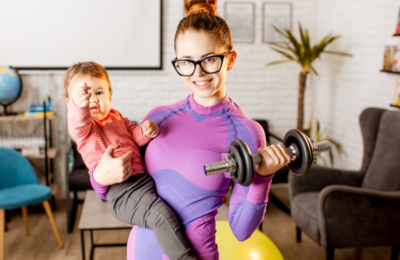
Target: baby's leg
[{"x": 135, "y": 202}]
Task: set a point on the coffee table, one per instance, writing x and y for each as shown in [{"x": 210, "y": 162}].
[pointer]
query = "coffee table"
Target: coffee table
[{"x": 96, "y": 216}]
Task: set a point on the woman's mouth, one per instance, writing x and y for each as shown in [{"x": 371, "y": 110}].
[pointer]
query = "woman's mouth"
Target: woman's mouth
[{"x": 202, "y": 84}]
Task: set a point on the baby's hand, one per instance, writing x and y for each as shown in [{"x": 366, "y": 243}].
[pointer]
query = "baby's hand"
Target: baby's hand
[
  {"x": 81, "y": 95},
  {"x": 149, "y": 129},
  {"x": 274, "y": 158}
]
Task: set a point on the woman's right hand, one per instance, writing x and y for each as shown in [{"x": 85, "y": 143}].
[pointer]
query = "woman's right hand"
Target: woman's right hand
[{"x": 111, "y": 170}]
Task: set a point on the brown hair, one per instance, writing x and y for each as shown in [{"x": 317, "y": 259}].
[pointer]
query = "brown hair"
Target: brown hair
[
  {"x": 202, "y": 16},
  {"x": 89, "y": 68}
]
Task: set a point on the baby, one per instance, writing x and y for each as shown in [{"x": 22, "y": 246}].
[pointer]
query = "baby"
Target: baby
[{"x": 94, "y": 125}]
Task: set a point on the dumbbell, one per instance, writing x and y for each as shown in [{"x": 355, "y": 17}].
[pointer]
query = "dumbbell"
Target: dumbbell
[{"x": 240, "y": 163}]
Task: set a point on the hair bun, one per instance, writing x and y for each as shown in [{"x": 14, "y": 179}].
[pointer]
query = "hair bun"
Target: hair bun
[{"x": 192, "y": 7}]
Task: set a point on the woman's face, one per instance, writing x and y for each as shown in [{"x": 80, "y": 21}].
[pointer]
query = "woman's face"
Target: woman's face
[{"x": 208, "y": 89}]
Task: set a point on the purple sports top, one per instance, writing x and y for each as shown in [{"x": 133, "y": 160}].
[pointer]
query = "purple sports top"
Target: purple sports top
[{"x": 191, "y": 136}]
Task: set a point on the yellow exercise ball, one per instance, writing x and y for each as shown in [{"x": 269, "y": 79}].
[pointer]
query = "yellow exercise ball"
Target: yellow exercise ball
[{"x": 258, "y": 246}]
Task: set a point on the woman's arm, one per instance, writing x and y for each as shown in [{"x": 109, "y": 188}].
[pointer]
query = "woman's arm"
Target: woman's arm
[
  {"x": 110, "y": 171},
  {"x": 248, "y": 204}
]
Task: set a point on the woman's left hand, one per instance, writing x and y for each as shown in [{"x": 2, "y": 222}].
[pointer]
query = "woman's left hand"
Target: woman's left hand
[{"x": 274, "y": 158}]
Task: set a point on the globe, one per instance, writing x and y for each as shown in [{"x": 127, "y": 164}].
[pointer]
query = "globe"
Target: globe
[{"x": 10, "y": 87}]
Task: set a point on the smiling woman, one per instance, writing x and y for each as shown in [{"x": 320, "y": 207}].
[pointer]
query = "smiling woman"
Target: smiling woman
[{"x": 194, "y": 132}]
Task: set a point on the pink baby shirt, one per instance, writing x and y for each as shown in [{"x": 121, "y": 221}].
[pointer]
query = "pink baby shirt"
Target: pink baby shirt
[{"x": 94, "y": 136}]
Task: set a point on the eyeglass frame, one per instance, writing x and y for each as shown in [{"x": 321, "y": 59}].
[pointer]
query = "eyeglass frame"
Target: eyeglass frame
[{"x": 221, "y": 56}]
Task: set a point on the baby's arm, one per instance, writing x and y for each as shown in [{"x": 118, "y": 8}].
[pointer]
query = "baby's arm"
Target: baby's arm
[
  {"x": 79, "y": 118},
  {"x": 142, "y": 134}
]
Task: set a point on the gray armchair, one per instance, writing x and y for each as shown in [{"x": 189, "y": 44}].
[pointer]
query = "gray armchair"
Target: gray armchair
[{"x": 339, "y": 208}]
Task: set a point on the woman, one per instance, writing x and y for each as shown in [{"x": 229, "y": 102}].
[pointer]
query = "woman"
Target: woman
[{"x": 194, "y": 132}]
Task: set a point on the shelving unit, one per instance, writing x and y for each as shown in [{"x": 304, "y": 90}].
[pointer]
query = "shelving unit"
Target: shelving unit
[
  {"x": 47, "y": 153},
  {"x": 389, "y": 71}
]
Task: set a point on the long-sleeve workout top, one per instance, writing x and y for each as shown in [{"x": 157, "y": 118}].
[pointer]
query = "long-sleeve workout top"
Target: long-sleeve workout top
[
  {"x": 94, "y": 136},
  {"x": 191, "y": 136}
]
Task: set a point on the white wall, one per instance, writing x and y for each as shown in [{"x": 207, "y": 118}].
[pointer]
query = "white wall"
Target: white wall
[{"x": 345, "y": 85}]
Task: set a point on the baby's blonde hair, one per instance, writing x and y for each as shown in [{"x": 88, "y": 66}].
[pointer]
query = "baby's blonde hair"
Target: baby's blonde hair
[{"x": 89, "y": 68}]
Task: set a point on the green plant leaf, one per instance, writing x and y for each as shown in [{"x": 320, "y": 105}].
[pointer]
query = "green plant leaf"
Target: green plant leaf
[
  {"x": 312, "y": 68},
  {"x": 278, "y": 62},
  {"x": 284, "y": 46},
  {"x": 287, "y": 55},
  {"x": 331, "y": 158},
  {"x": 280, "y": 31},
  {"x": 338, "y": 53}
]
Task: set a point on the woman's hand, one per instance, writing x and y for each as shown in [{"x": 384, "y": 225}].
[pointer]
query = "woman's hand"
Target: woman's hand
[
  {"x": 274, "y": 158},
  {"x": 111, "y": 170},
  {"x": 149, "y": 129}
]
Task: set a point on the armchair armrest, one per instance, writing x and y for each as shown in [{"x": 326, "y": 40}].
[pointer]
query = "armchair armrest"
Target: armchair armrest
[
  {"x": 318, "y": 178},
  {"x": 355, "y": 217}
]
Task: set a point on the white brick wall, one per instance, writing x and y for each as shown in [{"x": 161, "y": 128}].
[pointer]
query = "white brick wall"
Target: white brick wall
[{"x": 345, "y": 85}]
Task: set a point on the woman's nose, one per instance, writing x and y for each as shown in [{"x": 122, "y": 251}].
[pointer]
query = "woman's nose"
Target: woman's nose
[{"x": 198, "y": 71}]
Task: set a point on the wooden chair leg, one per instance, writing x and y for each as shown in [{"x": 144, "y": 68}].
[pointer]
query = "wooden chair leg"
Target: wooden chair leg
[
  {"x": 395, "y": 252},
  {"x": 47, "y": 207},
  {"x": 298, "y": 234},
  {"x": 2, "y": 226},
  {"x": 330, "y": 253},
  {"x": 25, "y": 215}
]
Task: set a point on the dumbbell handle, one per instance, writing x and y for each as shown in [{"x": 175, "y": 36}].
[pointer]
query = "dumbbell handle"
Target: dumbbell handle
[
  {"x": 257, "y": 158},
  {"x": 229, "y": 164}
]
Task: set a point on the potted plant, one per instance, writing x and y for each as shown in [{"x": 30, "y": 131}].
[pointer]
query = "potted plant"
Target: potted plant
[{"x": 300, "y": 51}]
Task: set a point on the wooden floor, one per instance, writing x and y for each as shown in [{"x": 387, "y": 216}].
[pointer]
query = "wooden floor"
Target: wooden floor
[{"x": 41, "y": 243}]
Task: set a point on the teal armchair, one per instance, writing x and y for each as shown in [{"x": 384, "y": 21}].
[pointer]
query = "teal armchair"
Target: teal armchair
[{"x": 19, "y": 188}]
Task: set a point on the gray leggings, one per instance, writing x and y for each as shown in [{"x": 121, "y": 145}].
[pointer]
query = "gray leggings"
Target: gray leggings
[{"x": 135, "y": 202}]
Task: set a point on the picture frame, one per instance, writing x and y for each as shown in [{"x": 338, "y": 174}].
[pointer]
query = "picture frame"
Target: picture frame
[
  {"x": 279, "y": 15},
  {"x": 240, "y": 18}
]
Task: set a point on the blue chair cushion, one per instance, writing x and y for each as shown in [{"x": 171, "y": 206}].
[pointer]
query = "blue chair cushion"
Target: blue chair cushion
[{"x": 23, "y": 195}]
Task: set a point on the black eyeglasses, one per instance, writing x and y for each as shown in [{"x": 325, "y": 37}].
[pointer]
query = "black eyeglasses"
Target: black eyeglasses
[{"x": 211, "y": 64}]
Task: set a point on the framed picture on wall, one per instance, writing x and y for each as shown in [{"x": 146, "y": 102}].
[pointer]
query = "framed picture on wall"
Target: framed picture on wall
[
  {"x": 240, "y": 18},
  {"x": 278, "y": 15}
]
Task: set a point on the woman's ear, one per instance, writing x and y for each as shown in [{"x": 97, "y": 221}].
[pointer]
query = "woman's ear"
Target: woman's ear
[{"x": 231, "y": 59}]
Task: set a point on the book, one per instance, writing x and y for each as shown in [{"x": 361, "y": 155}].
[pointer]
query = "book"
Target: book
[
  {"x": 388, "y": 57},
  {"x": 38, "y": 114},
  {"x": 398, "y": 24},
  {"x": 396, "y": 59}
]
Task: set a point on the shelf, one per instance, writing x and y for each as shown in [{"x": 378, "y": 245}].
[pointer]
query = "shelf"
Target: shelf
[
  {"x": 394, "y": 106},
  {"x": 21, "y": 117},
  {"x": 51, "y": 154},
  {"x": 396, "y": 35},
  {"x": 389, "y": 71}
]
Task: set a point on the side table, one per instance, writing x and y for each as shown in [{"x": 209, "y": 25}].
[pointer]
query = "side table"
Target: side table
[{"x": 96, "y": 216}]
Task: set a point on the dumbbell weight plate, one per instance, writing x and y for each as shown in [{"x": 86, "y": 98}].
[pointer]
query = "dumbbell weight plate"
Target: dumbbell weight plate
[
  {"x": 244, "y": 164},
  {"x": 304, "y": 158},
  {"x": 238, "y": 175}
]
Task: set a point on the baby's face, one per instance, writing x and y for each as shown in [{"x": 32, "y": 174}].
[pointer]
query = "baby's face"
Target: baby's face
[{"x": 100, "y": 100}]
